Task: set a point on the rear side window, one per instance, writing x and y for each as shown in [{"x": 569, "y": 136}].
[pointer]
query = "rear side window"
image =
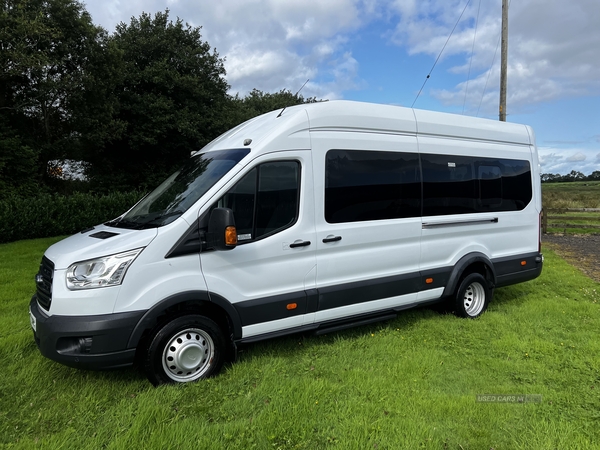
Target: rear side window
[
  {"x": 490, "y": 186},
  {"x": 465, "y": 184},
  {"x": 265, "y": 200},
  {"x": 371, "y": 185}
]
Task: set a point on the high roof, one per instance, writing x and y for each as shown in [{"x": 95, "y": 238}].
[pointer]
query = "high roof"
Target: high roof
[{"x": 292, "y": 127}]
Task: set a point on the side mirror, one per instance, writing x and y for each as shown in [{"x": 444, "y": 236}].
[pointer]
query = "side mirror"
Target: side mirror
[{"x": 222, "y": 234}]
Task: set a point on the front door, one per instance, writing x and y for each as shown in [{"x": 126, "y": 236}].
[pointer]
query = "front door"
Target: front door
[{"x": 267, "y": 276}]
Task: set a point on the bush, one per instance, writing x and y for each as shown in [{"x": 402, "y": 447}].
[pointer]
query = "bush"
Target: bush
[{"x": 53, "y": 214}]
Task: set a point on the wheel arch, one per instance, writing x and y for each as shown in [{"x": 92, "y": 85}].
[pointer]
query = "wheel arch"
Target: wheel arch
[
  {"x": 470, "y": 263},
  {"x": 208, "y": 304}
]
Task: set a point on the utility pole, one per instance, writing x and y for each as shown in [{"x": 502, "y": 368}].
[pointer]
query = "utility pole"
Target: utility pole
[{"x": 504, "y": 60}]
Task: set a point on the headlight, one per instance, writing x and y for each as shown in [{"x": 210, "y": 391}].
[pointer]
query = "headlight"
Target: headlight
[{"x": 100, "y": 272}]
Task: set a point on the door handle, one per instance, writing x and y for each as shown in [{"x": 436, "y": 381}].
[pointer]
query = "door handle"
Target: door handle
[
  {"x": 332, "y": 239},
  {"x": 299, "y": 244}
]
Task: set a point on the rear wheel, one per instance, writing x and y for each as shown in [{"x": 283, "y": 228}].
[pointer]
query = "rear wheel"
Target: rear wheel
[
  {"x": 472, "y": 296},
  {"x": 187, "y": 348}
]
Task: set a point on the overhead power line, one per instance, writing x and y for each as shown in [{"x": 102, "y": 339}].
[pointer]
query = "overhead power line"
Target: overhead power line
[
  {"x": 442, "y": 51},
  {"x": 471, "y": 60}
]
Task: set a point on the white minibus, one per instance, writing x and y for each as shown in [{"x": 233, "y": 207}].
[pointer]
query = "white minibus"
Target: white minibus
[{"x": 311, "y": 219}]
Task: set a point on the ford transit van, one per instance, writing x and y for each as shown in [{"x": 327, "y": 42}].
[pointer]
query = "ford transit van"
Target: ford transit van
[{"x": 310, "y": 219}]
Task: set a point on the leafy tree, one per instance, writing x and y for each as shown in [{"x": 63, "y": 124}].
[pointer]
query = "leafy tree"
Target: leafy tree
[
  {"x": 258, "y": 102},
  {"x": 551, "y": 177},
  {"x": 574, "y": 175},
  {"x": 128, "y": 107},
  {"x": 595, "y": 175},
  {"x": 49, "y": 49},
  {"x": 170, "y": 100},
  {"x": 17, "y": 163}
]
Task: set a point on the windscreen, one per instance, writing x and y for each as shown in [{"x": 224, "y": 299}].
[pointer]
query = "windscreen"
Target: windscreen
[{"x": 181, "y": 190}]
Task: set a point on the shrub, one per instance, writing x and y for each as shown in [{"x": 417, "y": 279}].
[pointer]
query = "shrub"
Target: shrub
[{"x": 53, "y": 214}]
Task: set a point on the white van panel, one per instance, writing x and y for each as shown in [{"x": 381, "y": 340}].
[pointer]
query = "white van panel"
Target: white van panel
[
  {"x": 272, "y": 326},
  {"x": 369, "y": 249},
  {"x": 270, "y": 131},
  {"x": 448, "y": 146},
  {"x": 153, "y": 281},
  {"x": 81, "y": 247},
  {"x": 465, "y": 127},
  {"x": 366, "y": 307},
  {"x": 342, "y": 116}
]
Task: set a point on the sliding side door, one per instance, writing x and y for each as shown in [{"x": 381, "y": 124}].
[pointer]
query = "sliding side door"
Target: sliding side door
[{"x": 368, "y": 224}]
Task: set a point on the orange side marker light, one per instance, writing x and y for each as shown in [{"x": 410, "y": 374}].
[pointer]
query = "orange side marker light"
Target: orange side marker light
[{"x": 231, "y": 236}]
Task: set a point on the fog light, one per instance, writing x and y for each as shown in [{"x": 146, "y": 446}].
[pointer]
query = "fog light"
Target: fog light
[{"x": 74, "y": 345}]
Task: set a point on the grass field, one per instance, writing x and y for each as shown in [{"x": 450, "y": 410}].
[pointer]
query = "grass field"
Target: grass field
[
  {"x": 409, "y": 383},
  {"x": 558, "y": 198},
  {"x": 579, "y": 194}
]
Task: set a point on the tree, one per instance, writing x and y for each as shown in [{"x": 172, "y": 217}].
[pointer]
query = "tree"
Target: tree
[
  {"x": 171, "y": 95},
  {"x": 551, "y": 177},
  {"x": 258, "y": 102},
  {"x": 49, "y": 49},
  {"x": 574, "y": 175},
  {"x": 18, "y": 162},
  {"x": 595, "y": 175}
]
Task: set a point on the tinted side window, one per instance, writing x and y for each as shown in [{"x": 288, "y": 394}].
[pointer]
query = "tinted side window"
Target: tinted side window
[
  {"x": 371, "y": 185},
  {"x": 265, "y": 200},
  {"x": 490, "y": 186},
  {"x": 241, "y": 199},
  {"x": 449, "y": 185},
  {"x": 463, "y": 184},
  {"x": 516, "y": 184},
  {"x": 277, "y": 198}
]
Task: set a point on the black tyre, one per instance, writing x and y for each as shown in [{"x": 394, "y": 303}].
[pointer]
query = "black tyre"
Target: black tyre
[
  {"x": 472, "y": 296},
  {"x": 188, "y": 348}
]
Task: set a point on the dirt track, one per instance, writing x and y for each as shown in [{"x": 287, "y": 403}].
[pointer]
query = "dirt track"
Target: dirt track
[{"x": 581, "y": 251}]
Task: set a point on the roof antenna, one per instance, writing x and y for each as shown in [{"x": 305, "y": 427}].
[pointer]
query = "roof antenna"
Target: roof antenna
[{"x": 295, "y": 95}]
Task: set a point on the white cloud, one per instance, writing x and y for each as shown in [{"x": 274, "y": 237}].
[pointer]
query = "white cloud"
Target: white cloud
[
  {"x": 272, "y": 45},
  {"x": 577, "y": 157},
  {"x": 553, "y": 48},
  {"x": 267, "y": 44},
  {"x": 562, "y": 161}
]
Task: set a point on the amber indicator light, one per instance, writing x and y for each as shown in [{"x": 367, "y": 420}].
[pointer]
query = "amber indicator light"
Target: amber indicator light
[
  {"x": 231, "y": 236},
  {"x": 429, "y": 280},
  {"x": 291, "y": 306},
  {"x": 523, "y": 263}
]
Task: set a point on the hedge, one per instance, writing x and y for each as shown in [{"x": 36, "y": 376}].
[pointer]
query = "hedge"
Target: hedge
[{"x": 48, "y": 215}]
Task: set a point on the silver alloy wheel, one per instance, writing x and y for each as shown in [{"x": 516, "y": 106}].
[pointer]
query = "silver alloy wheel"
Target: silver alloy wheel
[
  {"x": 474, "y": 299},
  {"x": 188, "y": 355}
]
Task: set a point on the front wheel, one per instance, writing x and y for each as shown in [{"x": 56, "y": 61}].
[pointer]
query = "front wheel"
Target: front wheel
[
  {"x": 187, "y": 348},
  {"x": 472, "y": 296}
]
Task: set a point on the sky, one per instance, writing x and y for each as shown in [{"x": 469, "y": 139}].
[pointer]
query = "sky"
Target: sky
[{"x": 381, "y": 51}]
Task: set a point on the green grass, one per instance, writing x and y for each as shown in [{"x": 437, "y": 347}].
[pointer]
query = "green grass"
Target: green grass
[
  {"x": 578, "y": 194},
  {"x": 557, "y": 198},
  {"x": 408, "y": 383}
]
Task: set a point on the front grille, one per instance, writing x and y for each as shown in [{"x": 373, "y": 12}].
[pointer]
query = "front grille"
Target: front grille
[{"x": 44, "y": 283}]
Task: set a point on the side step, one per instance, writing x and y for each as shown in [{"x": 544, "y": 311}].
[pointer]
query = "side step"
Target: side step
[{"x": 334, "y": 327}]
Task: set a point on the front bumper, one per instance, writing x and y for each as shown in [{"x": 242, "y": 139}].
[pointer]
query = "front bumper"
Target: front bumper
[{"x": 87, "y": 342}]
